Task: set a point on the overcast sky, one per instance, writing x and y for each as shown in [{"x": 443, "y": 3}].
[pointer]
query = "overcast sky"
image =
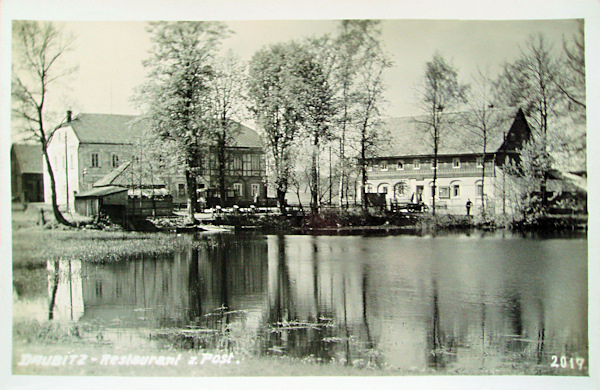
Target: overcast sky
[{"x": 110, "y": 54}]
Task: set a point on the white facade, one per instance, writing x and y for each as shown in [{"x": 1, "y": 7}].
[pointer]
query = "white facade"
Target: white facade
[
  {"x": 410, "y": 180},
  {"x": 63, "y": 151}
]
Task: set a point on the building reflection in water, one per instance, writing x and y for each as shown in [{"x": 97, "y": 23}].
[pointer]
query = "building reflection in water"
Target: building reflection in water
[{"x": 408, "y": 302}]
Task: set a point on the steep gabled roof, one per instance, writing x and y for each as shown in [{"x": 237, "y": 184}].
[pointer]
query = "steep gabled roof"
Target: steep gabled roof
[
  {"x": 105, "y": 128},
  {"x": 29, "y": 157},
  {"x": 410, "y": 136},
  {"x": 125, "y": 129},
  {"x": 247, "y": 138}
]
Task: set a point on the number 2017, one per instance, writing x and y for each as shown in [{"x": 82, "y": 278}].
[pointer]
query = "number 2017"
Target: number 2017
[{"x": 564, "y": 362}]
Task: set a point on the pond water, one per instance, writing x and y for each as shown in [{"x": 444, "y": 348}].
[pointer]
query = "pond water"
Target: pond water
[{"x": 456, "y": 303}]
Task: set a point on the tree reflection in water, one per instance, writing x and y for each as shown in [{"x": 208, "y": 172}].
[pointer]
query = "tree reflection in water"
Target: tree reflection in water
[{"x": 363, "y": 301}]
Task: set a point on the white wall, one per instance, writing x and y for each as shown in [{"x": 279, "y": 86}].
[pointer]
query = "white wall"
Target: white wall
[{"x": 62, "y": 166}]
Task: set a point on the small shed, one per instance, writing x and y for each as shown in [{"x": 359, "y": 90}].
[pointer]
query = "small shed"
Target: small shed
[
  {"x": 26, "y": 173},
  {"x": 124, "y": 193},
  {"x": 110, "y": 200}
]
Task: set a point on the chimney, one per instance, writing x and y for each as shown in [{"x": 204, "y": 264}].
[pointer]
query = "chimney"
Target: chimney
[{"x": 69, "y": 115}]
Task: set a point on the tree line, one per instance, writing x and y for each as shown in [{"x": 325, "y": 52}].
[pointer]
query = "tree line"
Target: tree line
[{"x": 311, "y": 96}]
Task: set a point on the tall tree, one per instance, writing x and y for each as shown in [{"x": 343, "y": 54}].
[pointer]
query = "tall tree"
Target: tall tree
[
  {"x": 530, "y": 82},
  {"x": 227, "y": 102},
  {"x": 369, "y": 99},
  {"x": 440, "y": 91},
  {"x": 175, "y": 99},
  {"x": 355, "y": 38},
  {"x": 38, "y": 48},
  {"x": 571, "y": 79},
  {"x": 272, "y": 88},
  {"x": 482, "y": 120},
  {"x": 314, "y": 99}
]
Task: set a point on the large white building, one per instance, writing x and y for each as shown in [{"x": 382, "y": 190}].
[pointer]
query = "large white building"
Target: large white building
[
  {"x": 403, "y": 169},
  {"x": 89, "y": 146}
]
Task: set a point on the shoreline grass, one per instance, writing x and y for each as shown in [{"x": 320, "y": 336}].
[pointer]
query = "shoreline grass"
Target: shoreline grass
[{"x": 32, "y": 247}]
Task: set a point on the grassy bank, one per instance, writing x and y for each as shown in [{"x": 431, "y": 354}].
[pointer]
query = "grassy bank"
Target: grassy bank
[
  {"x": 32, "y": 247},
  {"x": 341, "y": 220}
]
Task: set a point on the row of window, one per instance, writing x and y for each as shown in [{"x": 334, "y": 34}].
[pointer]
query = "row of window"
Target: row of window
[
  {"x": 416, "y": 163},
  {"x": 246, "y": 163},
  {"x": 444, "y": 192},
  {"x": 238, "y": 189},
  {"x": 95, "y": 160}
]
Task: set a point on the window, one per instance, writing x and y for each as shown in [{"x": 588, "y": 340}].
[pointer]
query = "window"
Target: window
[
  {"x": 382, "y": 189},
  {"x": 95, "y": 160},
  {"x": 181, "y": 189},
  {"x": 479, "y": 190},
  {"x": 455, "y": 190},
  {"x": 237, "y": 163},
  {"x": 255, "y": 162},
  {"x": 400, "y": 165},
  {"x": 237, "y": 188},
  {"x": 255, "y": 188},
  {"x": 384, "y": 166},
  {"x": 444, "y": 192},
  {"x": 456, "y": 162},
  {"x": 115, "y": 161},
  {"x": 416, "y": 164},
  {"x": 247, "y": 162},
  {"x": 400, "y": 189},
  {"x": 479, "y": 162}
]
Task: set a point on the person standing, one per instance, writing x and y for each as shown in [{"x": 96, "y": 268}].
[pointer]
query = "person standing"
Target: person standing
[{"x": 469, "y": 204}]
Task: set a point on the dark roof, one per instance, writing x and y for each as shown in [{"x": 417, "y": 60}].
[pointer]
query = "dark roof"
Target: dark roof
[
  {"x": 129, "y": 175},
  {"x": 105, "y": 128},
  {"x": 101, "y": 191},
  {"x": 124, "y": 129},
  {"x": 247, "y": 138},
  {"x": 410, "y": 136},
  {"x": 29, "y": 157}
]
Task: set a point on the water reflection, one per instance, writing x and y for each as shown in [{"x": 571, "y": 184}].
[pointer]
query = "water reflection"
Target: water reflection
[
  {"x": 496, "y": 304},
  {"x": 65, "y": 290}
]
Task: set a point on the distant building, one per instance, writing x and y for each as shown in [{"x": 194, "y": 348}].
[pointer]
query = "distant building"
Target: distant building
[
  {"x": 26, "y": 162},
  {"x": 403, "y": 169},
  {"x": 89, "y": 146}
]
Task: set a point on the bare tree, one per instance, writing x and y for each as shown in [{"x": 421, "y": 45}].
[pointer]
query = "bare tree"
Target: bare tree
[
  {"x": 38, "y": 48},
  {"x": 353, "y": 39},
  {"x": 571, "y": 80},
  {"x": 530, "y": 82},
  {"x": 369, "y": 98},
  {"x": 482, "y": 120},
  {"x": 439, "y": 91}
]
